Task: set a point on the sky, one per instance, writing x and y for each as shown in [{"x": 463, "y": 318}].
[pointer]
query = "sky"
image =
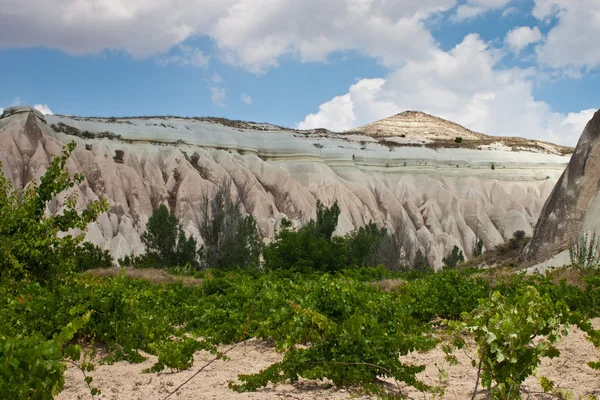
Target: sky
[{"x": 502, "y": 67}]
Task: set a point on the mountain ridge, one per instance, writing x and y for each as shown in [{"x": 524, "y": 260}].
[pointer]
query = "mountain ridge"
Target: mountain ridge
[{"x": 444, "y": 196}]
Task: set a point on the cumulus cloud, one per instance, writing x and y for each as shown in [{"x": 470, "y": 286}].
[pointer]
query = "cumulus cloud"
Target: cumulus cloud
[
  {"x": 519, "y": 38},
  {"x": 474, "y": 8},
  {"x": 250, "y": 33},
  {"x": 44, "y": 109},
  {"x": 216, "y": 78},
  {"x": 466, "y": 85},
  {"x": 1, "y": 110},
  {"x": 218, "y": 95},
  {"x": 246, "y": 99},
  {"x": 185, "y": 55},
  {"x": 572, "y": 41}
]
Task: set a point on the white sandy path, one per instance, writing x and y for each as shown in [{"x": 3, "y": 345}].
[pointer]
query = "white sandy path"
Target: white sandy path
[{"x": 125, "y": 381}]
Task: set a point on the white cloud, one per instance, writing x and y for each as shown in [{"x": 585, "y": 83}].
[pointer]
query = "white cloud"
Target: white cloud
[
  {"x": 1, "y": 111},
  {"x": 44, "y": 109},
  {"x": 573, "y": 40},
  {"x": 250, "y": 33},
  {"x": 246, "y": 98},
  {"x": 474, "y": 8},
  {"x": 465, "y": 85},
  {"x": 519, "y": 38},
  {"x": 185, "y": 55},
  {"x": 218, "y": 95},
  {"x": 216, "y": 78},
  {"x": 510, "y": 11}
]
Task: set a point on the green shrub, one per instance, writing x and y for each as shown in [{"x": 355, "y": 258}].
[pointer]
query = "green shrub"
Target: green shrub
[
  {"x": 166, "y": 243},
  {"x": 231, "y": 239},
  {"x": 89, "y": 256},
  {"x": 458, "y": 139},
  {"x": 454, "y": 258},
  {"x": 513, "y": 334},
  {"x": 584, "y": 252},
  {"x": 29, "y": 244}
]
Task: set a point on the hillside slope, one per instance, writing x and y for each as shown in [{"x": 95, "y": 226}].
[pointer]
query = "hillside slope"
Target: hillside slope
[{"x": 444, "y": 196}]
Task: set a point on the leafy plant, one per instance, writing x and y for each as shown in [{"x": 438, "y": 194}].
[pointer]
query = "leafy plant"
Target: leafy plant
[
  {"x": 513, "y": 334},
  {"x": 478, "y": 248},
  {"x": 231, "y": 238},
  {"x": 166, "y": 243},
  {"x": 453, "y": 258},
  {"x": 29, "y": 240},
  {"x": 584, "y": 252},
  {"x": 458, "y": 139},
  {"x": 89, "y": 256}
]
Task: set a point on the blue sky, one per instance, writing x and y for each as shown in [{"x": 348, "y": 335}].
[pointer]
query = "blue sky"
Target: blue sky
[{"x": 503, "y": 67}]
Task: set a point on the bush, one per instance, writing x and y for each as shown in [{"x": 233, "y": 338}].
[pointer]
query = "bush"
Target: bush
[
  {"x": 513, "y": 334},
  {"x": 453, "y": 258},
  {"x": 312, "y": 247},
  {"x": 89, "y": 256},
  {"x": 231, "y": 239},
  {"x": 29, "y": 244},
  {"x": 166, "y": 243},
  {"x": 458, "y": 139},
  {"x": 584, "y": 252},
  {"x": 518, "y": 240},
  {"x": 364, "y": 245}
]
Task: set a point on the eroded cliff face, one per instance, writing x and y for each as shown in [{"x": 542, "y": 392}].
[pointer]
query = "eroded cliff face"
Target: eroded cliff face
[
  {"x": 574, "y": 205},
  {"x": 444, "y": 197}
]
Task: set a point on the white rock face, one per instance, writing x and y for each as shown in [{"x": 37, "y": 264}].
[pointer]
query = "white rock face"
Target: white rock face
[{"x": 444, "y": 196}]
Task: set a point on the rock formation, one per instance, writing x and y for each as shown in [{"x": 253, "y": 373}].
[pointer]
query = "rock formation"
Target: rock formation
[
  {"x": 574, "y": 205},
  {"x": 445, "y": 194}
]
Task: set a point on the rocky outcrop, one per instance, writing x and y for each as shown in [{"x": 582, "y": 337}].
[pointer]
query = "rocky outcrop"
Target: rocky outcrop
[
  {"x": 416, "y": 124},
  {"x": 574, "y": 205},
  {"x": 443, "y": 196}
]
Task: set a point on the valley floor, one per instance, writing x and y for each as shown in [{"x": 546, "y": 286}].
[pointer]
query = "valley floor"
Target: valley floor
[{"x": 124, "y": 381}]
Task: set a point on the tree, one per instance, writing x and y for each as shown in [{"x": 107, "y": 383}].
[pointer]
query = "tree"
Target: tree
[
  {"x": 166, "y": 243},
  {"x": 160, "y": 237},
  {"x": 478, "y": 248},
  {"x": 311, "y": 247},
  {"x": 29, "y": 242},
  {"x": 453, "y": 258},
  {"x": 421, "y": 263},
  {"x": 364, "y": 245},
  {"x": 327, "y": 219},
  {"x": 396, "y": 250},
  {"x": 89, "y": 256},
  {"x": 231, "y": 239}
]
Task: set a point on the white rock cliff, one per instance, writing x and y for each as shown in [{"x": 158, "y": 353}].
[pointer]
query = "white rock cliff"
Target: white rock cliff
[{"x": 411, "y": 172}]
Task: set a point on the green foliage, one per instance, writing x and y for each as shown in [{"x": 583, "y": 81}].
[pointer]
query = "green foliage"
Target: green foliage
[
  {"x": 312, "y": 247},
  {"x": 364, "y": 245},
  {"x": 32, "y": 367},
  {"x": 513, "y": 334},
  {"x": 454, "y": 258},
  {"x": 458, "y": 139},
  {"x": 166, "y": 243},
  {"x": 231, "y": 239},
  {"x": 327, "y": 219},
  {"x": 478, "y": 248},
  {"x": 29, "y": 240},
  {"x": 421, "y": 263},
  {"x": 355, "y": 333},
  {"x": 89, "y": 256},
  {"x": 584, "y": 252},
  {"x": 303, "y": 250},
  {"x": 518, "y": 240}
]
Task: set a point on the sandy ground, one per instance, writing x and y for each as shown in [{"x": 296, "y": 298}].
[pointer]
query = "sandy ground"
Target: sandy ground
[{"x": 127, "y": 382}]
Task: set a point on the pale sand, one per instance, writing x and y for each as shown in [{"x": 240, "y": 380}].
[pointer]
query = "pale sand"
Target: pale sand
[{"x": 126, "y": 381}]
